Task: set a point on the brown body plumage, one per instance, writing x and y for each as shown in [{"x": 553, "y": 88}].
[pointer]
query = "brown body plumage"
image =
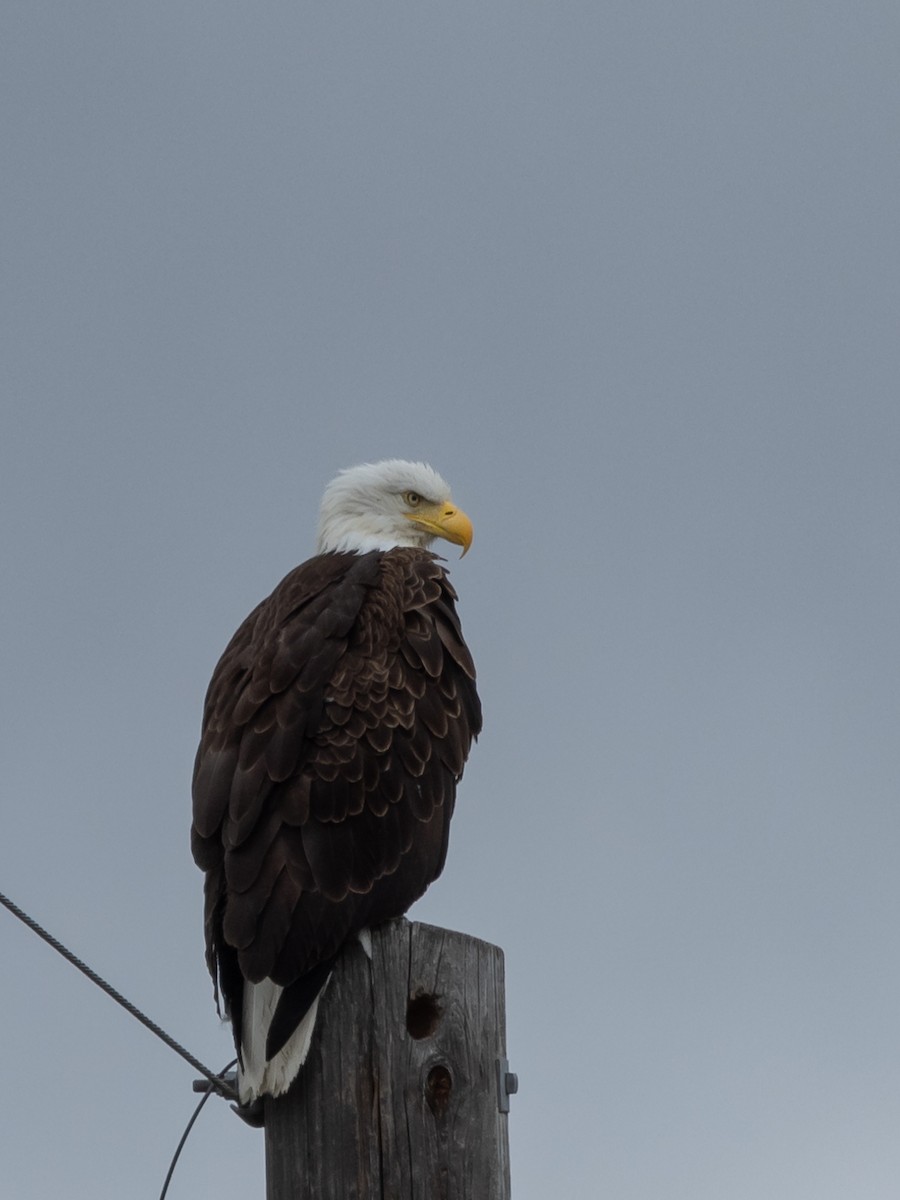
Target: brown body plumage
[{"x": 335, "y": 729}]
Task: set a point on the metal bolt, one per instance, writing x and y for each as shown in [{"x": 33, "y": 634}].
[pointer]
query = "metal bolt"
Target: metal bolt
[{"x": 507, "y": 1084}]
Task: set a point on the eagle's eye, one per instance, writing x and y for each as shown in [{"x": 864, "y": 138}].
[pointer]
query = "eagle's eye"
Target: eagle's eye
[{"x": 412, "y": 498}]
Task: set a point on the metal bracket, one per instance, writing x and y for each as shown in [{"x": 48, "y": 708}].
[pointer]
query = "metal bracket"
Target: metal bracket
[
  {"x": 252, "y": 1114},
  {"x": 229, "y": 1079},
  {"x": 507, "y": 1084}
]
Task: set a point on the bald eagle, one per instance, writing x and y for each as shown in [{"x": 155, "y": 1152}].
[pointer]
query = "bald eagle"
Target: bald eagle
[{"x": 335, "y": 729}]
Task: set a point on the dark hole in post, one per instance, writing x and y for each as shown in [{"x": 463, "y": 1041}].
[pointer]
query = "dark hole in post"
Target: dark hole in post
[
  {"x": 423, "y": 1015},
  {"x": 438, "y": 1087}
]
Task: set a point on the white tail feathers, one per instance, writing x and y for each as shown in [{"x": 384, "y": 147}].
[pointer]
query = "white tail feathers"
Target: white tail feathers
[{"x": 258, "y": 1075}]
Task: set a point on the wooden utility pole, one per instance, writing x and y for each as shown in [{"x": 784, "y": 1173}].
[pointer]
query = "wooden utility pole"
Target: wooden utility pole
[{"x": 406, "y": 1088}]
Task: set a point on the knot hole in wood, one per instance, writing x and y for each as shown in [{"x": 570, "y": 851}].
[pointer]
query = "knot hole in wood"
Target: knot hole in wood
[
  {"x": 438, "y": 1087},
  {"x": 423, "y": 1015}
]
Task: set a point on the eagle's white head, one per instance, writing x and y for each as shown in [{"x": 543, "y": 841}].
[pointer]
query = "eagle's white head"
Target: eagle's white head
[{"x": 379, "y": 506}]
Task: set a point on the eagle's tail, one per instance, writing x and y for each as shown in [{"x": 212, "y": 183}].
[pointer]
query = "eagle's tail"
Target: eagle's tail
[{"x": 268, "y": 1066}]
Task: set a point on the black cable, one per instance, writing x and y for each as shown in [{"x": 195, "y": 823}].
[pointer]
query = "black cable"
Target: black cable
[
  {"x": 217, "y": 1083},
  {"x": 190, "y": 1125}
]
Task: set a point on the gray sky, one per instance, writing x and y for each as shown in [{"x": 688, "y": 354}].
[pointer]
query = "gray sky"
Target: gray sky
[{"x": 627, "y": 274}]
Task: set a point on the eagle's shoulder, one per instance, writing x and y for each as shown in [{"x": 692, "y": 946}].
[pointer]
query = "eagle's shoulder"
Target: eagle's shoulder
[{"x": 291, "y": 640}]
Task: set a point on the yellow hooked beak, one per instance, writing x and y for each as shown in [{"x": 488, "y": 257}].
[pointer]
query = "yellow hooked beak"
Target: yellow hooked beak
[{"x": 444, "y": 521}]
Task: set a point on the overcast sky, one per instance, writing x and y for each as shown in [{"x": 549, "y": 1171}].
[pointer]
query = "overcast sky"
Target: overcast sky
[{"x": 627, "y": 274}]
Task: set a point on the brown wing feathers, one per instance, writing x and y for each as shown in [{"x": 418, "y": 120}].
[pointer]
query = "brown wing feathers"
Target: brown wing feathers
[{"x": 335, "y": 729}]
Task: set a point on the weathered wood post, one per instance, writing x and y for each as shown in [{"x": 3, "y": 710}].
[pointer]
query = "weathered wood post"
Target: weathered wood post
[{"x": 402, "y": 1093}]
